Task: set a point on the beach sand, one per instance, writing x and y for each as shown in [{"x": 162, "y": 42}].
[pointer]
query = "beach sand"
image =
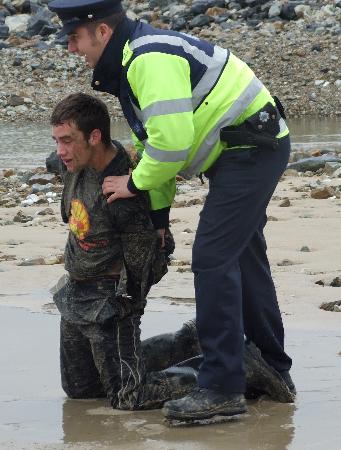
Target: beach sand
[{"x": 34, "y": 412}]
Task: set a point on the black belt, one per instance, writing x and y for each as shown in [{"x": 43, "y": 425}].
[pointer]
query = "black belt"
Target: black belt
[{"x": 260, "y": 129}]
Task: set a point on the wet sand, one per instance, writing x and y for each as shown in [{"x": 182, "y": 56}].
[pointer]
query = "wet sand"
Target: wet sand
[{"x": 34, "y": 412}]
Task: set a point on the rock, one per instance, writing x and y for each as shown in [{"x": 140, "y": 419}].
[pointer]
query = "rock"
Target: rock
[
  {"x": 329, "y": 306},
  {"x": 36, "y": 188},
  {"x": 176, "y": 10},
  {"x": 331, "y": 167},
  {"x": 313, "y": 164},
  {"x": 187, "y": 230},
  {"x": 291, "y": 173},
  {"x": 4, "y": 31},
  {"x": 183, "y": 269},
  {"x": 21, "y": 6},
  {"x": 275, "y": 9},
  {"x": 8, "y": 173},
  {"x": 337, "y": 173},
  {"x": 178, "y": 23},
  {"x": 304, "y": 248},
  {"x": 32, "y": 262},
  {"x": 302, "y": 11},
  {"x": 52, "y": 260},
  {"x": 322, "y": 192},
  {"x": 45, "y": 212},
  {"x": 7, "y": 258},
  {"x": 285, "y": 262},
  {"x": 17, "y": 23},
  {"x": 3, "y": 45},
  {"x": 288, "y": 11},
  {"x": 30, "y": 200},
  {"x": 272, "y": 219},
  {"x": 13, "y": 242},
  {"x": 199, "y": 21},
  {"x": 53, "y": 163},
  {"x": 15, "y": 100},
  {"x": 285, "y": 203},
  {"x": 42, "y": 178},
  {"x": 199, "y": 7},
  {"x": 41, "y": 23},
  {"x": 336, "y": 282},
  {"x": 21, "y": 217},
  {"x": 179, "y": 262},
  {"x": 159, "y": 3}
]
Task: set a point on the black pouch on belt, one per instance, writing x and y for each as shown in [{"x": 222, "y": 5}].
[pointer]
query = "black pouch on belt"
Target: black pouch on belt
[{"x": 259, "y": 130}]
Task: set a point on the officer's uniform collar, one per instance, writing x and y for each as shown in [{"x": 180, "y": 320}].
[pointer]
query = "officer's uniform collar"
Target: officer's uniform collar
[{"x": 107, "y": 73}]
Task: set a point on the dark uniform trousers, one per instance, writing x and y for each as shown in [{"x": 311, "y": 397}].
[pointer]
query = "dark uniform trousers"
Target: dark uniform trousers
[{"x": 235, "y": 293}]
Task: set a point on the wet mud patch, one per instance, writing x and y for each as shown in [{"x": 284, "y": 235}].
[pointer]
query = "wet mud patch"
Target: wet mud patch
[{"x": 35, "y": 414}]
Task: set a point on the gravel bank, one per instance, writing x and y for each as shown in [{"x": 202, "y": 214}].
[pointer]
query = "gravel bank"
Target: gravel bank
[{"x": 298, "y": 60}]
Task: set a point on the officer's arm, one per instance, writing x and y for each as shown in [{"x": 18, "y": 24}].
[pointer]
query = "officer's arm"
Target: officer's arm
[{"x": 161, "y": 83}]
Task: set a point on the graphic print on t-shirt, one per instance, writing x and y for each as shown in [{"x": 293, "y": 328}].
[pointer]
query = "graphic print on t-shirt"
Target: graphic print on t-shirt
[{"x": 79, "y": 219}]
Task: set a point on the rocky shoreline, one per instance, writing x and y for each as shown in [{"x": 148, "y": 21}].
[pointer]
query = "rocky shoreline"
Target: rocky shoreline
[
  {"x": 293, "y": 47},
  {"x": 42, "y": 186}
]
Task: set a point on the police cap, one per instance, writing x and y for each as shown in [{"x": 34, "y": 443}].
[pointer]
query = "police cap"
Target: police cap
[{"x": 74, "y": 13}]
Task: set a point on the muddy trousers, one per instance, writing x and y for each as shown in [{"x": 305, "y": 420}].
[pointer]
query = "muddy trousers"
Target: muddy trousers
[
  {"x": 99, "y": 360},
  {"x": 234, "y": 289}
]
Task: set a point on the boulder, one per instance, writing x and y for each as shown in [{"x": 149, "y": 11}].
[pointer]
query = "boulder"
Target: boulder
[
  {"x": 313, "y": 164},
  {"x": 17, "y": 23}
]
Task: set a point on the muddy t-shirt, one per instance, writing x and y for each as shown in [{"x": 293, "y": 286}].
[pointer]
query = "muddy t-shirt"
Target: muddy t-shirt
[{"x": 103, "y": 234}]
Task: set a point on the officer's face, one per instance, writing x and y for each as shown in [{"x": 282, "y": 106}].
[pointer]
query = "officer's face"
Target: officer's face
[
  {"x": 72, "y": 147},
  {"x": 88, "y": 43}
]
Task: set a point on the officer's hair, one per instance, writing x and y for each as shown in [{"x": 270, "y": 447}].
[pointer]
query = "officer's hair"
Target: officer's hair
[
  {"x": 112, "y": 22},
  {"x": 87, "y": 112}
]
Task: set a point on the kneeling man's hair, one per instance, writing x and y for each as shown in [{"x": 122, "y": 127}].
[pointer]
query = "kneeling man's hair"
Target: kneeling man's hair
[{"x": 87, "y": 112}]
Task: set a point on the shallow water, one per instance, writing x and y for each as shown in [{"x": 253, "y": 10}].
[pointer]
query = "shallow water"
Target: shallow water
[
  {"x": 28, "y": 145},
  {"x": 34, "y": 411}
]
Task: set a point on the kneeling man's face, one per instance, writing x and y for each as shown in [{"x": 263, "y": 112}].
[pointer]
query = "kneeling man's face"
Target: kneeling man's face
[{"x": 72, "y": 147}]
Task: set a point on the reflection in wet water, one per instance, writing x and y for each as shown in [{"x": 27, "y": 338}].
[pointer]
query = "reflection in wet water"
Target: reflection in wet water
[
  {"x": 29, "y": 145},
  {"x": 267, "y": 426},
  {"x": 33, "y": 408}
]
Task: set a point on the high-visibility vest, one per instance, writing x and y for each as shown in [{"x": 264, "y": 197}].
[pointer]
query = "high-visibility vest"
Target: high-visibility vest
[{"x": 177, "y": 92}]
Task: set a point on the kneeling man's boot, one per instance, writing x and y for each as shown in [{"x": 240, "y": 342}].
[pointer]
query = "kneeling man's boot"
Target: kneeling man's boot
[
  {"x": 168, "y": 384},
  {"x": 168, "y": 349},
  {"x": 203, "y": 403},
  {"x": 261, "y": 378}
]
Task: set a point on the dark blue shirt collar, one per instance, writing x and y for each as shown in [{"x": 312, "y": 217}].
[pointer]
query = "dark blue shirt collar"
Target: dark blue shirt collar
[{"x": 107, "y": 73}]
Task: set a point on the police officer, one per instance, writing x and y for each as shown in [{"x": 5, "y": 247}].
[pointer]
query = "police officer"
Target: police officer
[{"x": 196, "y": 108}]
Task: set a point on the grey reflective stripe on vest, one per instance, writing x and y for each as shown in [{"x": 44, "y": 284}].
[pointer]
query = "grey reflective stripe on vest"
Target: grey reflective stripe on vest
[
  {"x": 214, "y": 63},
  {"x": 282, "y": 125},
  {"x": 177, "y": 41},
  {"x": 210, "y": 77},
  {"x": 238, "y": 107},
  {"x": 166, "y": 155},
  {"x": 164, "y": 107}
]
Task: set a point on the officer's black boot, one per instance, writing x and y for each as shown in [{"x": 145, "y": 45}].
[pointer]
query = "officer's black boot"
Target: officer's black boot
[
  {"x": 168, "y": 349},
  {"x": 261, "y": 378},
  {"x": 202, "y": 403}
]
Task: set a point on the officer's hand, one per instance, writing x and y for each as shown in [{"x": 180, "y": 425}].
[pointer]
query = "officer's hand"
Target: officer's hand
[{"x": 117, "y": 187}]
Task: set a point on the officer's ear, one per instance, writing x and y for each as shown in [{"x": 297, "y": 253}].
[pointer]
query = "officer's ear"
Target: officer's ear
[{"x": 103, "y": 32}]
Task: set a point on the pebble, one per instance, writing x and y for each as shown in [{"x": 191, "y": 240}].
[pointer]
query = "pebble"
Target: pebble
[{"x": 285, "y": 203}]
